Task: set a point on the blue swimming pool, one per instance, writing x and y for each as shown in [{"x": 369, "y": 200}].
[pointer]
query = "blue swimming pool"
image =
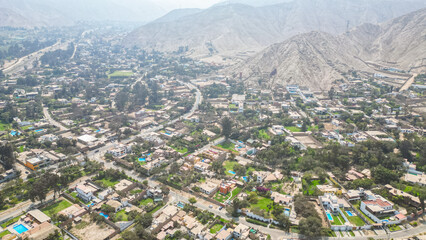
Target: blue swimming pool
[
  {"x": 330, "y": 218},
  {"x": 103, "y": 215},
  {"x": 181, "y": 205},
  {"x": 385, "y": 221},
  {"x": 20, "y": 228},
  {"x": 39, "y": 130},
  {"x": 167, "y": 133},
  {"x": 245, "y": 179},
  {"x": 142, "y": 159},
  {"x": 97, "y": 130},
  {"x": 91, "y": 204},
  {"x": 232, "y": 172},
  {"x": 287, "y": 211},
  {"x": 350, "y": 214},
  {"x": 13, "y": 133}
]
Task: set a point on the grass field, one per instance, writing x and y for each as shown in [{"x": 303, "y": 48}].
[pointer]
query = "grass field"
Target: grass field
[
  {"x": 229, "y": 165},
  {"x": 338, "y": 220},
  {"x": 228, "y": 145},
  {"x": 4, "y": 233},
  {"x": 394, "y": 228},
  {"x": 216, "y": 228},
  {"x": 222, "y": 198},
  {"x": 357, "y": 221},
  {"x": 263, "y": 134},
  {"x": 293, "y": 129},
  {"x": 120, "y": 74},
  {"x": 121, "y": 214},
  {"x": 357, "y": 205},
  {"x": 145, "y": 202},
  {"x": 4, "y": 126},
  {"x": 107, "y": 182},
  {"x": 13, "y": 220},
  {"x": 182, "y": 150},
  {"x": 311, "y": 188},
  {"x": 55, "y": 208},
  {"x": 262, "y": 203}
]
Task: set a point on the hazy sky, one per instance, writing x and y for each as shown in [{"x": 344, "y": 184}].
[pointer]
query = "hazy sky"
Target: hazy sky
[{"x": 173, "y": 4}]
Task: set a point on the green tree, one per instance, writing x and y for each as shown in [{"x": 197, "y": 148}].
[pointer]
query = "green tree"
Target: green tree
[
  {"x": 226, "y": 127},
  {"x": 310, "y": 227},
  {"x": 192, "y": 200}
]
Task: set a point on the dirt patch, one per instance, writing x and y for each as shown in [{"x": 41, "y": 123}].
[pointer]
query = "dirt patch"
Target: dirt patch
[
  {"x": 309, "y": 141},
  {"x": 89, "y": 230},
  {"x": 321, "y": 214}
]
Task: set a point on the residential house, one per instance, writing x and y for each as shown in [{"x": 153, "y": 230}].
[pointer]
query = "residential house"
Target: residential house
[{"x": 86, "y": 191}]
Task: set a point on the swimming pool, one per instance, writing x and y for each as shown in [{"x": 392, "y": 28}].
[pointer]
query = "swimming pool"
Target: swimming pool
[
  {"x": 245, "y": 179},
  {"x": 97, "y": 130},
  {"x": 287, "y": 211},
  {"x": 103, "y": 215},
  {"x": 385, "y": 221},
  {"x": 13, "y": 133},
  {"x": 91, "y": 204},
  {"x": 142, "y": 159},
  {"x": 181, "y": 205},
  {"x": 330, "y": 218},
  {"x": 231, "y": 172},
  {"x": 20, "y": 228},
  {"x": 350, "y": 214},
  {"x": 167, "y": 133},
  {"x": 39, "y": 130}
]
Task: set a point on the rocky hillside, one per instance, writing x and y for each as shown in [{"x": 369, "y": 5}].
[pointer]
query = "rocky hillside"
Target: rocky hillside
[
  {"x": 316, "y": 59},
  {"x": 231, "y": 28}
]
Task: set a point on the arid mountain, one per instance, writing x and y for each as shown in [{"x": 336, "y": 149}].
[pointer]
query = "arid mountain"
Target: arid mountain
[
  {"x": 230, "y": 28},
  {"x": 316, "y": 59},
  {"x": 65, "y": 12}
]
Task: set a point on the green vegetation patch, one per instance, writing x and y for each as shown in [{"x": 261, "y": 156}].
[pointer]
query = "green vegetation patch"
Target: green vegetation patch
[
  {"x": 4, "y": 126},
  {"x": 55, "y": 208},
  {"x": 216, "y": 228},
  {"x": 263, "y": 203},
  {"x": 118, "y": 74},
  {"x": 4, "y": 233},
  {"x": 13, "y": 220},
  {"x": 264, "y": 135},
  {"x": 228, "y": 146},
  {"x": 121, "y": 215},
  {"x": 338, "y": 220},
  {"x": 293, "y": 129},
  {"x": 394, "y": 228},
  {"x": 145, "y": 202},
  {"x": 229, "y": 165},
  {"x": 311, "y": 187},
  {"x": 107, "y": 182},
  {"x": 357, "y": 221},
  {"x": 182, "y": 150}
]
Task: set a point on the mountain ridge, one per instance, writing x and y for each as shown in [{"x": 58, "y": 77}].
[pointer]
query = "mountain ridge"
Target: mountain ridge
[{"x": 316, "y": 59}]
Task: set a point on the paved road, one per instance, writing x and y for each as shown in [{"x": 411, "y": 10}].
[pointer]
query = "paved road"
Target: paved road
[
  {"x": 27, "y": 61},
  {"x": 52, "y": 121}
]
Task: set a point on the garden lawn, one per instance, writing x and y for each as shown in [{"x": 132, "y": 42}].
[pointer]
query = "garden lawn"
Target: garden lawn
[
  {"x": 337, "y": 220},
  {"x": 156, "y": 209},
  {"x": 145, "y": 202},
  {"x": 4, "y": 233},
  {"x": 120, "y": 74},
  {"x": 182, "y": 150},
  {"x": 357, "y": 221},
  {"x": 13, "y": 220},
  {"x": 262, "y": 203},
  {"x": 263, "y": 134},
  {"x": 228, "y": 146},
  {"x": 229, "y": 165},
  {"x": 123, "y": 215},
  {"x": 220, "y": 197},
  {"x": 293, "y": 129},
  {"x": 216, "y": 228},
  {"x": 357, "y": 205},
  {"x": 108, "y": 182},
  {"x": 4, "y": 126},
  {"x": 55, "y": 208},
  {"x": 311, "y": 187},
  {"x": 394, "y": 228}
]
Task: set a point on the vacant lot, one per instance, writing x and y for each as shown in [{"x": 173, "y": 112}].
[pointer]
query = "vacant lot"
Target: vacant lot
[{"x": 90, "y": 230}]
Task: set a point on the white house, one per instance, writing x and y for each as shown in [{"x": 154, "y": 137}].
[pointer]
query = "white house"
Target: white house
[{"x": 86, "y": 191}]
